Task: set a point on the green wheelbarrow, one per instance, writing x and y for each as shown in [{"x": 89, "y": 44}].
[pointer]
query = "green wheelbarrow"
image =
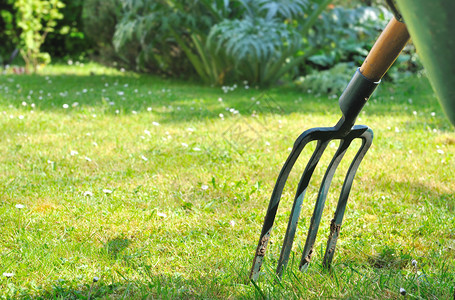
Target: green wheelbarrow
[
  {"x": 433, "y": 33},
  {"x": 429, "y": 25}
]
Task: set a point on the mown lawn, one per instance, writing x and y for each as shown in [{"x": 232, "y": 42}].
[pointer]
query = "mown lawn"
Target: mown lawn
[{"x": 159, "y": 188}]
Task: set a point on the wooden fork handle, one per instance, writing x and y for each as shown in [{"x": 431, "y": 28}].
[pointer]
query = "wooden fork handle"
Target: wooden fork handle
[{"x": 385, "y": 51}]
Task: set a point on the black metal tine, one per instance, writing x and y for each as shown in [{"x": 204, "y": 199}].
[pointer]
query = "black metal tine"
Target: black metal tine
[
  {"x": 297, "y": 205},
  {"x": 323, "y": 135},
  {"x": 335, "y": 225},
  {"x": 269, "y": 219},
  {"x": 319, "y": 206}
]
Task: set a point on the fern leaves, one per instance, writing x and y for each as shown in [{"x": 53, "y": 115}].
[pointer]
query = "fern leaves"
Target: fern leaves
[{"x": 254, "y": 39}]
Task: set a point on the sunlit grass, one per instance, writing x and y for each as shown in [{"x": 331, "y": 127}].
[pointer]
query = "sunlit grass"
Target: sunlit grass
[{"x": 191, "y": 169}]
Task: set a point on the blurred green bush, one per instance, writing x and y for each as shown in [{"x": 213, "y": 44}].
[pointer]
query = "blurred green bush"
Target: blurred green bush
[
  {"x": 263, "y": 43},
  {"x": 68, "y": 40},
  {"x": 167, "y": 36},
  {"x": 346, "y": 34},
  {"x": 331, "y": 81},
  {"x": 28, "y": 25},
  {"x": 343, "y": 37},
  {"x": 221, "y": 41},
  {"x": 7, "y": 31},
  {"x": 218, "y": 41},
  {"x": 99, "y": 19}
]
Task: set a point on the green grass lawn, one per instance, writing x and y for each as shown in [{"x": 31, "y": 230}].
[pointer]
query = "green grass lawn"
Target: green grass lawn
[{"x": 159, "y": 188}]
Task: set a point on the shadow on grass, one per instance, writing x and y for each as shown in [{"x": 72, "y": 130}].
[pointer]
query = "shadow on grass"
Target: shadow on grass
[
  {"x": 147, "y": 284},
  {"x": 157, "y": 287},
  {"x": 115, "y": 246},
  {"x": 383, "y": 283},
  {"x": 177, "y": 101},
  {"x": 441, "y": 200},
  {"x": 390, "y": 258}
]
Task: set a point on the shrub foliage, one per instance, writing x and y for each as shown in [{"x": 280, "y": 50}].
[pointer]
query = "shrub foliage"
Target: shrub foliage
[
  {"x": 99, "y": 20},
  {"x": 220, "y": 40},
  {"x": 35, "y": 19},
  {"x": 259, "y": 41}
]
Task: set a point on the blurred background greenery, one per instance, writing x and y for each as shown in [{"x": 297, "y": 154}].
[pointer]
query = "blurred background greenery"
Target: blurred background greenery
[{"x": 308, "y": 43}]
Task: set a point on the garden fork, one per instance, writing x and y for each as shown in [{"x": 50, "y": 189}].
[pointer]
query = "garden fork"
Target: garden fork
[{"x": 384, "y": 52}]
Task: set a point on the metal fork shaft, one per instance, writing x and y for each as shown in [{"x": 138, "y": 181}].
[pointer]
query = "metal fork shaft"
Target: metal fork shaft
[
  {"x": 302, "y": 140},
  {"x": 320, "y": 202},
  {"x": 297, "y": 205},
  {"x": 335, "y": 225}
]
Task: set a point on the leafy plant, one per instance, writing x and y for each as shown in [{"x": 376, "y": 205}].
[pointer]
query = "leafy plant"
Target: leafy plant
[
  {"x": 35, "y": 19},
  {"x": 7, "y": 30},
  {"x": 288, "y": 9},
  {"x": 68, "y": 38},
  {"x": 254, "y": 40},
  {"x": 258, "y": 47},
  {"x": 345, "y": 35},
  {"x": 333, "y": 80},
  {"x": 263, "y": 43},
  {"x": 139, "y": 38},
  {"x": 99, "y": 20},
  {"x": 342, "y": 38},
  {"x": 170, "y": 36}
]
